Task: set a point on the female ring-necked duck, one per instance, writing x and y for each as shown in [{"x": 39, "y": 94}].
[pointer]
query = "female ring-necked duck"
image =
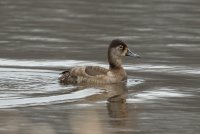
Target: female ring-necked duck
[{"x": 99, "y": 75}]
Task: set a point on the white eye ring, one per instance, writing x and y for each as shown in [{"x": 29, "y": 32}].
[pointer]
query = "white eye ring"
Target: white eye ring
[{"x": 121, "y": 47}]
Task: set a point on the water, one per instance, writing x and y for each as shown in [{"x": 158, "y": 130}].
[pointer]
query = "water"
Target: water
[{"x": 41, "y": 38}]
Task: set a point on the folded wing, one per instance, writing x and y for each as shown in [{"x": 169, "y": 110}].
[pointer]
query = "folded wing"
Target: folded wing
[{"x": 95, "y": 70}]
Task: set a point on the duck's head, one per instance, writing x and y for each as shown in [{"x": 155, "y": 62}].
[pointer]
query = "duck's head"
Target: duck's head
[
  {"x": 119, "y": 49},
  {"x": 116, "y": 50}
]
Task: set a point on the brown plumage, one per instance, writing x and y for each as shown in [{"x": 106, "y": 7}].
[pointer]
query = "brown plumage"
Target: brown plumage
[{"x": 99, "y": 75}]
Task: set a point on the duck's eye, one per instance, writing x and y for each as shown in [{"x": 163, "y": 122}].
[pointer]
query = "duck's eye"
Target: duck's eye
[{"x": 121, "y": 47}]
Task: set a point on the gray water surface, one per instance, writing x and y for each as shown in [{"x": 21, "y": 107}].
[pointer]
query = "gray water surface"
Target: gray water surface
[{"x": 39, "y": 39}]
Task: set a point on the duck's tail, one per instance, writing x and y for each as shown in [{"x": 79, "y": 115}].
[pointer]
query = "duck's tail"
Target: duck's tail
[{"x": 64, "y": 76}]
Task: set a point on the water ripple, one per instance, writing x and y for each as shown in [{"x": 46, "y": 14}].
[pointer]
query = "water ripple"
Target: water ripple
[
  {"x": 156, "y": 94},
  {"x": 157, "y": 68},
  {"x": 38, "y": 38},
  {"x": 32, "y": 87},
  {"x": 48, "y": 100}
]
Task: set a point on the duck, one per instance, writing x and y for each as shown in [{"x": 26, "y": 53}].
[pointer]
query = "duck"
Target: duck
[{"x": 99, "y": 75}]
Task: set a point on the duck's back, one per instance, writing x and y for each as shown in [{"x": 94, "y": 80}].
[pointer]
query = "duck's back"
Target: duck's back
[{"x": 92, "y": 74}]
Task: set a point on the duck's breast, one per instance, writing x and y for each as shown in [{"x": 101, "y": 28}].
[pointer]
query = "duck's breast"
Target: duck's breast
[{"x": 119, "y": 74}]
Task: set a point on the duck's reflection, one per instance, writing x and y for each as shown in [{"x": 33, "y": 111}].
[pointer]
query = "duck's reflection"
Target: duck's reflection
[
  {"x": 117, "y": 108},
  {"x": 115, "y": 94},
  {"x": 117, "y": 102}
]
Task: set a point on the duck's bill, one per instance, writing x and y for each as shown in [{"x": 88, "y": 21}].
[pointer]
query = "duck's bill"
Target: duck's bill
[{"x": 130, "y": 53}]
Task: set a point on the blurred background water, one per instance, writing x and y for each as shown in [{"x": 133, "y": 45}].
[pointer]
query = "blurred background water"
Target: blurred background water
[{"x": 40, "y": 38}]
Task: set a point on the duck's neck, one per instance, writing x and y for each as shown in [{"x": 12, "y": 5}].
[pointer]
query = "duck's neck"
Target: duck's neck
[{"x": 115, "y": 62}]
